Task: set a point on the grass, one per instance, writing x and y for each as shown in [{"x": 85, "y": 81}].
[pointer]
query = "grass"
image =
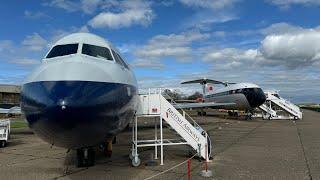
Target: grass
[
  {"x": 313, "y": 108},
  {"x": 18, "y": 123}
]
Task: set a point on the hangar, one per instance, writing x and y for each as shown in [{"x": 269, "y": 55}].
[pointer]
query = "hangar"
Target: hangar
[{"x": 9, "y": 95}]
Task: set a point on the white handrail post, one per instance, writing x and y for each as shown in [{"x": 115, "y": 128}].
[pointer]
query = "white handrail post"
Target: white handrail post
[
  {"x": 156, "y": 139},
  {"x": 136, "y": 136},
  {"x": 161, "y": 140}
]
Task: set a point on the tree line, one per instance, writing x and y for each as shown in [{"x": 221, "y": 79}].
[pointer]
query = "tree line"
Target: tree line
[{"x": 175, "y": 95}]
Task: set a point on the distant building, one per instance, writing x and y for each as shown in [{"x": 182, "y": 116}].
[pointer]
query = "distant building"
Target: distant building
[{"x": 9, "y": 95}]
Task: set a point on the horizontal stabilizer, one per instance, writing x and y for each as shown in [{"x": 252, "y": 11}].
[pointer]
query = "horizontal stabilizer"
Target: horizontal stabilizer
[
  {"x": 206, "y": 81},
  {"x": 203, "y": 81}
]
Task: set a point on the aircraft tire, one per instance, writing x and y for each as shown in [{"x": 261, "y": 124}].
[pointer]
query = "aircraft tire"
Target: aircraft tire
[
  {"x": 80, "y": 158},
  {"x": 2, "y": 144},
  {"x": 204, "y": 113},
  {"x": 83, "y": 161},
  {"x": 114, "y": 140},
  {"x": 91, "y": 157}
]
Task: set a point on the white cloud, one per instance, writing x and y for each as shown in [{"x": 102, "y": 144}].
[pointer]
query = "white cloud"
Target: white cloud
[
  {"x": 132, "y": 12},
  {"x": 86, "y": 6},
  {"x": 173, "y": 45},
  {"x": 288, "y": 3},
  {"x": 34, "y": 42},
  {"x": 209, "y": 12},
  {"x": 203, "y": 19},
  {"x": 82, "y": 29},
  {"x": 25, "y": 61},
  {"x": 6, "y": 45},
  {"x": 230, "y": 58},
  {"x": 35, "y": 15},
  {"x": 147, "y": 63},
  {"x": 292, "y": 49},
  {"x": 67, "y": 5},
  {"x": 231, "y": 54},
  {"x": 90, "y": 6},
  {"x": 281, "y": 28},
  {"x": 285, "y": 45},
  {"x": 214, "y": 4}
]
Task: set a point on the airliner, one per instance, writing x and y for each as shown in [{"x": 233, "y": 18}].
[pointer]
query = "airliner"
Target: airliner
[
  {"x": 233, "y": 96},
  {"x": 82, "y": 95}
]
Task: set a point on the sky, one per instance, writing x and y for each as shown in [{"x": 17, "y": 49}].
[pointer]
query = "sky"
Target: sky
[{"x": 273, "y": 43}]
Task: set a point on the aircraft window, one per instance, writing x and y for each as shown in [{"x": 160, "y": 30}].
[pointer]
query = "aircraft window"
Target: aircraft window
[
  {"x": 96, "y": 51},
  {"x": 63, "y": 50},
  {"x": 116, "y": 57},
  {"x": 123, "y": 62},
  {"x": 238, "y": 90}
]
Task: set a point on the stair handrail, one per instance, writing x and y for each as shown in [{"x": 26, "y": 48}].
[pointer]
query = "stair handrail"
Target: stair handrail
[{"x": 195, "y": 124}]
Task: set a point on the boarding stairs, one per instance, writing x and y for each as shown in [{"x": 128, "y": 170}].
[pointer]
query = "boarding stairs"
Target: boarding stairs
[
  {"x": 274, "y": 100},
  {"x": 268, "y": 110},
  {"x": 156, "y": 105}
]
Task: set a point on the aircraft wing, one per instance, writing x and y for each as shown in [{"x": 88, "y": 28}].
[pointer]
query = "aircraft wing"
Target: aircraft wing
[
  {"x": 186, "y": 101},
  {"x": 13, "y": 110},
  {"x": 202, "y": 105}
]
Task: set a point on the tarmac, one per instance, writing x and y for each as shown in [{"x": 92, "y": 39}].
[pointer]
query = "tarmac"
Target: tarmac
[{"x": 255, "y": 149}]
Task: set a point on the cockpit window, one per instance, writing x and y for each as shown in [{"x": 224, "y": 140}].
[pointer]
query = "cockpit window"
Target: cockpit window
[
  {"x": 116, "y": 57},
  {"x": 119, "y": 59},
  {"x": 97, "y": 51},
  {"x": 63, "y": 50},
  {"x": 123, "y": 62}
]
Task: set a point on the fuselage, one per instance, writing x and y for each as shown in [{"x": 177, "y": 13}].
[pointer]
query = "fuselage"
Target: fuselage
[
  {"x": 246, "y": 96},
  {"x": 81, "y": 94}
]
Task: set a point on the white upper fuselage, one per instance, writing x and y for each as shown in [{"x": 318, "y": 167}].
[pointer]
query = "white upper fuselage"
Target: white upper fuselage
[
  {"x": 245, "y": 96},
  {"x": 231, "y": 87}
]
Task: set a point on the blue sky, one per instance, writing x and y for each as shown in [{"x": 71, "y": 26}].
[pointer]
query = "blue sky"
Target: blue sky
[{"x": 274, "y": 43}]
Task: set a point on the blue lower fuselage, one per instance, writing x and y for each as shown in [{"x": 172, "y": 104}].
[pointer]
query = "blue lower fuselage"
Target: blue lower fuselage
[{"x": 75, "y": 114}]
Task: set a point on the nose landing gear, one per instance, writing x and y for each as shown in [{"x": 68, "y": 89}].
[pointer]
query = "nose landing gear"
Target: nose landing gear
[{"x": 85, "y": 157}]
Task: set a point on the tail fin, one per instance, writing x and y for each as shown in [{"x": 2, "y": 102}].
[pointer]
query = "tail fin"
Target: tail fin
[
  {"x": 209, "y": 88},
  {"x": 204, "y": 82}
]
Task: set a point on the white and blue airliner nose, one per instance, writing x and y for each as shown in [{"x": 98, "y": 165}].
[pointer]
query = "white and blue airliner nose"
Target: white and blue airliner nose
[{"x": 82, "y": 93}]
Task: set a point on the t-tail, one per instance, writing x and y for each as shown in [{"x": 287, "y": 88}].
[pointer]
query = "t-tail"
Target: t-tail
[{"x": 207, "y": 86}]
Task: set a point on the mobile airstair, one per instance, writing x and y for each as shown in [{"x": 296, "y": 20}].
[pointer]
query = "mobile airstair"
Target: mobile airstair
[
  {"x": 276, "y": 107},
  {"x": 4, "y": 132},
  {"x": 154, "y": 105}
]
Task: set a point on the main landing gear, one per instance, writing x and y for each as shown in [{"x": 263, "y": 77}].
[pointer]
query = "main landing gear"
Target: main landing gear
[
  {"x": 248, "y": 115},
  {"x": 202, "y": 113},
  {"x": 85, "y": 157},
  {"x": 233, "y": 114}
]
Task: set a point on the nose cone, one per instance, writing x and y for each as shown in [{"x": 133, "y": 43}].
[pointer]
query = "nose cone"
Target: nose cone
[
  {"x": 261, "y": 97},
  {"x": 255, "y": 97},
  {"x": 76, "y": 113}
]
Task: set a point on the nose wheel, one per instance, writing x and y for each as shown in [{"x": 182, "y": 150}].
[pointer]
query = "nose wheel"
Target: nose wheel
[
  {"x": 3, "y": 144},
  {"x": 85, "y": 157}
]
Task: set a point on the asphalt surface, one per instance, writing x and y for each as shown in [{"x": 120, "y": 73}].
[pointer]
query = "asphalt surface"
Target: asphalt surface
[{"x": 256, "y": 149}]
